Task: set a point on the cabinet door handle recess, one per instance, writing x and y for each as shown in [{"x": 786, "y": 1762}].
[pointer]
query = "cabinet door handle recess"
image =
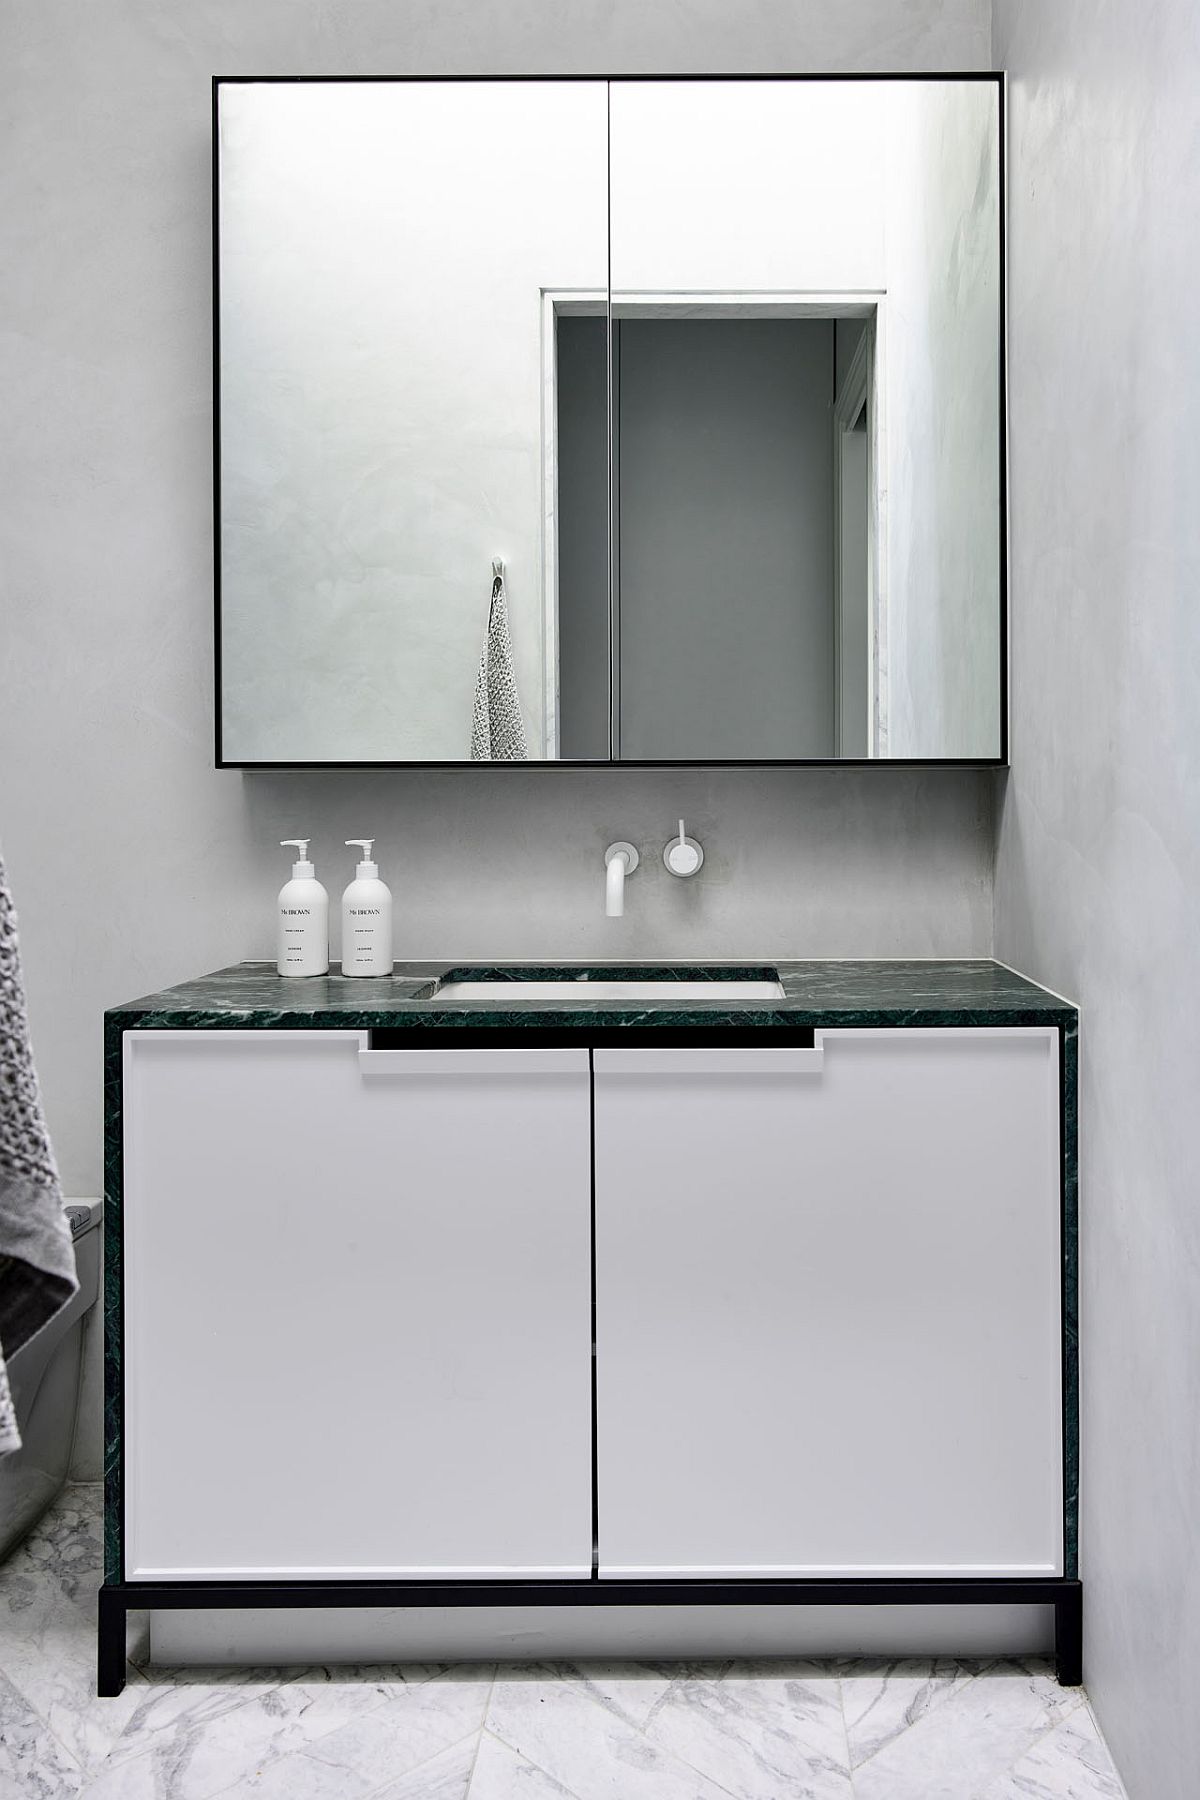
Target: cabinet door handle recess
[
  {"x": 471, "y": 1062},
  {"x": 765, "y": 1061}
]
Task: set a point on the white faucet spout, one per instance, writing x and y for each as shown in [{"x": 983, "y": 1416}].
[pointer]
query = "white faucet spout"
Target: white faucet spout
[
  {"x": 614, "y": 886},
  {"x": 620, "y": 860}
]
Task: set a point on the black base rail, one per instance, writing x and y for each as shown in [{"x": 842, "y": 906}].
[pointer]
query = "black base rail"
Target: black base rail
[{"x": 118, "y": 1599}]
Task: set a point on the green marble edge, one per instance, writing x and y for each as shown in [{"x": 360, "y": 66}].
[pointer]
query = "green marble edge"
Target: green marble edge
[
  {"x": 114, "y": 1033},
  {"x": 1027, "y": 1004},
  {"x": 1069, "y": 1148}
]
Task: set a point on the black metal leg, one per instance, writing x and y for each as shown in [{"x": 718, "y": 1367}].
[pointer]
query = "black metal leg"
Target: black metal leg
[
  {"x": 1068, "y": 1637},
  {"x": 110, "y": 1642}
]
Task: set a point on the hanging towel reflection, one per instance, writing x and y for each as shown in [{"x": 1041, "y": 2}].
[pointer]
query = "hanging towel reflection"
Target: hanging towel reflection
[{"x": 498, "y": 729}]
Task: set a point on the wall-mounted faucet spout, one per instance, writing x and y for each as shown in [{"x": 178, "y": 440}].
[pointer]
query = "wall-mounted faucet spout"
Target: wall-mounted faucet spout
[{"x": 620, "y": 860}]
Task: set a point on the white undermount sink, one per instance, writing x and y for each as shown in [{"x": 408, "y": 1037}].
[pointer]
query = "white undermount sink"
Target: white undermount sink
[{"x": 610, "y": 990}]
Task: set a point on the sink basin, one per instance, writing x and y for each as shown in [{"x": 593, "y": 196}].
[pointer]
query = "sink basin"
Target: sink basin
[{"x": 610, "y": 990}]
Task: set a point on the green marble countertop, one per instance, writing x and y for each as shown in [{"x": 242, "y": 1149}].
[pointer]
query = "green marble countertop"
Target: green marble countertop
[{"x": 976, "y": 992}]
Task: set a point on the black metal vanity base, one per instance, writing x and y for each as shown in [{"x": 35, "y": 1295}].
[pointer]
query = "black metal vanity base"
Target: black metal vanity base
[{"x": 119, "y": 1598}]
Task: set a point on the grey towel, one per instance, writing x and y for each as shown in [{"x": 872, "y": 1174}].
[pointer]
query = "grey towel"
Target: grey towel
[
  {"x": 10, "y": 1437},
  {"x": 498, "y": 729},
  {"x": 37, "y": 1261}
]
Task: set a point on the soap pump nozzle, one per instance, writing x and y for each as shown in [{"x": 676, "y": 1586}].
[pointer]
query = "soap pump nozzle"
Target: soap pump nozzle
[
  {"x": 302, "y": 868},
  {"x": 367, "y": 869}
]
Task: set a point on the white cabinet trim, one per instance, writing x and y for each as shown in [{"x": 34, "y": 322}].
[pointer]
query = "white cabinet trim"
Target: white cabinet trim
[
  {"x": 686, "y": 1061},
  {"x": 817, "y": 1571}
]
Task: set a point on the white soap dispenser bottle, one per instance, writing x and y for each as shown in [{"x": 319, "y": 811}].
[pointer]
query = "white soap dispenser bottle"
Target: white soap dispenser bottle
[
  {"x": 303, "y": 936},
  {"x": 366, "y": 918}
]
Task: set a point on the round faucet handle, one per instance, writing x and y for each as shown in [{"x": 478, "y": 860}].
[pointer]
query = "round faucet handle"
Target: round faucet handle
[{"x": 683, "y": 855}]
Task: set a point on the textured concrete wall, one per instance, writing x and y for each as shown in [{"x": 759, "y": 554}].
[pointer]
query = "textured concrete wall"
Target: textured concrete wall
[
  {"x": 134, "y": 862},
  {"x": 1098, "y": 865}
]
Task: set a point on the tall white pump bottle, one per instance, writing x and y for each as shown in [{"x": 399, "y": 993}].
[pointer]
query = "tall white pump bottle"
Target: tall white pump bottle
[
  {"x": 366, "y": 918},
  {"x": 303, "y": 936}
]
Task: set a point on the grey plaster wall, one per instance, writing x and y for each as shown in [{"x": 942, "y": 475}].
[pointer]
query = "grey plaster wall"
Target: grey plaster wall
[
  {"x": 134, "y": 862},
  {"x": 1098, "y": 855}
]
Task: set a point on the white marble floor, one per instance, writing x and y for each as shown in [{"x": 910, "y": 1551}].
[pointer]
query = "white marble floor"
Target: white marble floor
[{"x": 714, "y": 1731}]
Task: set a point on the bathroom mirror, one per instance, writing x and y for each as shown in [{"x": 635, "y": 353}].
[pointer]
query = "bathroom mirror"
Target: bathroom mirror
[{"x": 651, "y": 421}]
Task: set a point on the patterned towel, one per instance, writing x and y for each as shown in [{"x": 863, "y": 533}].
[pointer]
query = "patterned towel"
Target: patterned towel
[
  {"x": 37, "y": 1260},
  {"x": 498, "y": 729},
  {"x": 10, "y": 1437}
]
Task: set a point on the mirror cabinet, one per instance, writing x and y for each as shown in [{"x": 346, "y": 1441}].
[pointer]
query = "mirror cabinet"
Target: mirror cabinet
[{"x": 648, "y": 420}]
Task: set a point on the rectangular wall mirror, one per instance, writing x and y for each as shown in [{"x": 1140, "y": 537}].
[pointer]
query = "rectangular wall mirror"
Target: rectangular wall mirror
[{"x": 582, "y": 421}]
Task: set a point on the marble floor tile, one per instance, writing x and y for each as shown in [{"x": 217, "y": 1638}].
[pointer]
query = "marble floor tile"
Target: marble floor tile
[
  {"x": 48, "y": 1627},
  {"x": 974, "y": 1735},
  {"x": 406, "y": 1730},
  {"x": 1070, "y": 1763},
  {"x": 204, "y": 1739},
  {"x": 33, "y": 1764},
  {"x": 64, "y": 1547},
  {"x": 585, "y": 1746},
  {"x": 48, "y": 1652},
  {"x": 761, "y": 1731},
  {"x": 305, "y": 1775},
  {"x": 880, "y": 1699},
  {"x": 145, "y": 1778},
  {"x": 631, "y": 1689},
  {"x": 500, "y": 1773},
  {"x": 444, "y": 1777}
]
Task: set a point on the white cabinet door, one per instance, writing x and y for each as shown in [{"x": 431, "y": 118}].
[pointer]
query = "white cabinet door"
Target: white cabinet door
[
  {"x": 827, "y": 1307},
  {"x": 357, "y": 1308}
]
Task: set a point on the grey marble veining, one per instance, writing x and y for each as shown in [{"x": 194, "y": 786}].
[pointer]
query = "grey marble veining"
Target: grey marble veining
[
  {"x": 971, "y": 1740},
  {"x": 770, "y": 1727},
  {"x": 882, "y": 1700},
  {"x": 33, "y": 1763},
  {"x": 842, "y": 1729}
]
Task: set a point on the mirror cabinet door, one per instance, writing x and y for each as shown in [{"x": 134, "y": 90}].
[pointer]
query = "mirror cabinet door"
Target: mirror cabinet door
[
  {"x": 735, "y": 498},
  {"x": 395, "y": 260},
  {"x": 807, "y": 447}
]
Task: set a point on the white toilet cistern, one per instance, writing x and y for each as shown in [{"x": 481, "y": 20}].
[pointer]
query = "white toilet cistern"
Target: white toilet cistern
[{"x": 682, "y": 856}]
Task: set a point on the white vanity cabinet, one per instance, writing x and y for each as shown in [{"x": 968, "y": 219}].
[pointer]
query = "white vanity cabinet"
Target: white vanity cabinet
[
  {"x": 357, "y": 1315},
  {"x": 566, "y": 1310},
  {"x": 828, "y": 1307}
]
